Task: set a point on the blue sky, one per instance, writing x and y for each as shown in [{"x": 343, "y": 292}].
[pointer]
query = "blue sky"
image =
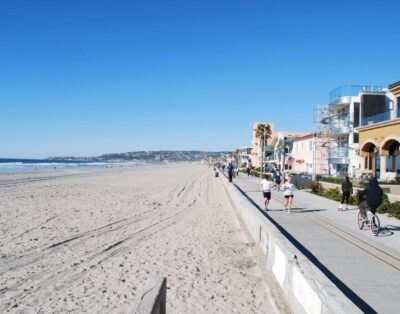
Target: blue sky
[{"x": 89, "y": 77}]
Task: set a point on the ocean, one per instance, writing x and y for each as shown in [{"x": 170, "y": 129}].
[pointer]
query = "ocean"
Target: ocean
[{"x": 16, "y": 165}]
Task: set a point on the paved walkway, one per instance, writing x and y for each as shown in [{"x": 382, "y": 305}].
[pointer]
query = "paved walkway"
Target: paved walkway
[{"x": 364, "y": 267}]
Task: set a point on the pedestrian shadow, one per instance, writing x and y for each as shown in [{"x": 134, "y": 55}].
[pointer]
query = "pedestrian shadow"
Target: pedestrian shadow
[
  {"x": 349, "y": 209},
  {"x": 303, "y": 210}
]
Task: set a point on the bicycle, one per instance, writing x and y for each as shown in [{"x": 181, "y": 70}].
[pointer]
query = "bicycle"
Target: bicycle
[{"x": 372, "y": 221}]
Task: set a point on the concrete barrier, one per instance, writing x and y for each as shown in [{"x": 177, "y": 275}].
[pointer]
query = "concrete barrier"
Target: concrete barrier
[
  {"x": 152, "y": 299},
  {"x": 306, "y": 288}
]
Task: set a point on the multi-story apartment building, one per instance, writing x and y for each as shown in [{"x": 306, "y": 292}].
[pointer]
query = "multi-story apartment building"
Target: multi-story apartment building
[
  {"x": 351, "y": 107},
  {"x": 256, "y": 145},
  {"x": 244, "y": 155},
  {"x": 283, "y": 149},
  {"x": 279, "y": 151},
  {"x": 306, "y": 156},
  {"x": 379, "y": 133}
]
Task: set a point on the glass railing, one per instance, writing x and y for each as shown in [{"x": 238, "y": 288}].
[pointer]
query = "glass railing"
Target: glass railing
[
  {"x": 268, "y": 148},
  {"x": 353, "y": 90},
  {"x": 380, "y": 117},
  {"x": 340, "y": 124},
  {"x": 339, "y": 152}
]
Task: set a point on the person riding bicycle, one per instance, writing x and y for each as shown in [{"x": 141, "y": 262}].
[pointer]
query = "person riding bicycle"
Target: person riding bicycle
[{"x": 373, "y": 198}]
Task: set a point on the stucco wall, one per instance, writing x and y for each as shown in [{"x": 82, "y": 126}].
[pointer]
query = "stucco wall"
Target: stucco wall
[{"x": 380, "y": 133}]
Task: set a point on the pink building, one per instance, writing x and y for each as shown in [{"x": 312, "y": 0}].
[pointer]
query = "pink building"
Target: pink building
[{"x": 310, "y": 151}]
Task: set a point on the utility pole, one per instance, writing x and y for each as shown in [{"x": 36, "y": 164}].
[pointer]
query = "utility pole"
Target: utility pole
[
  {"x": 262, "y": 158},
  {"x": 314, "y": 157}
]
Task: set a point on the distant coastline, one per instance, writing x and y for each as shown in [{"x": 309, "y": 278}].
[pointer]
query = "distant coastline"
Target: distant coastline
[
  {"x": 161, "y": 155},
  {"x": 131, "y": 159}
]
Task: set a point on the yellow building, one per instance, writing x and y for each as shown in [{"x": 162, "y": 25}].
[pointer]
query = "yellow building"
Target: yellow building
[{"x": 379, "y": 142}]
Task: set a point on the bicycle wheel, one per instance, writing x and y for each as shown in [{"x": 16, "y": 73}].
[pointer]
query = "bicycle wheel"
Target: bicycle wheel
[
  {"x": 360, "y": 221},
  {"x": 374, "y": 225}
]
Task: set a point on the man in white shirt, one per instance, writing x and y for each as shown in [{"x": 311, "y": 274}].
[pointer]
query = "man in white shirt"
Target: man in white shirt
[{"x": 266, "y": 185}]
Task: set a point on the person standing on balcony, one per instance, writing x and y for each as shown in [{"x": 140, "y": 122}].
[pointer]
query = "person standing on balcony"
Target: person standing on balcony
[{"x": 347, "y": 190}]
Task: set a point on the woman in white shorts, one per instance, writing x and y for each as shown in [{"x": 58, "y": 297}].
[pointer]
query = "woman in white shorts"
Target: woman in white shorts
[{"x": 288, "y": 193}]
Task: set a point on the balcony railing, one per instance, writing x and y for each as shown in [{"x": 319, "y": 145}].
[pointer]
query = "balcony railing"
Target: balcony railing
[
  {"x": 380, "y": 117},
  {"x": 353, "y": 90},
  {"x": 268, "y": 149},
  {"x": 340, "y": 124},
  {"x": 339, "y": 152}
]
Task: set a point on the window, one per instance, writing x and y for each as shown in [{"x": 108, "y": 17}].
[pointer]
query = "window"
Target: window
[
  {"x": 356, "y": 138},
  {"x": 356, "y": 114},
  {"x": 398, "y": 107},
  {"x": 310, "y": 146}
]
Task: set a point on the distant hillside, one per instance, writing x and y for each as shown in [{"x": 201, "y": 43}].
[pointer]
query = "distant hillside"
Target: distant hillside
[{"x": 149, "y": 156}]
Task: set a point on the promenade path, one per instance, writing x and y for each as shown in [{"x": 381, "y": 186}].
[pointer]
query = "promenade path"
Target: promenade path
[{"x": 364, "y": 267}]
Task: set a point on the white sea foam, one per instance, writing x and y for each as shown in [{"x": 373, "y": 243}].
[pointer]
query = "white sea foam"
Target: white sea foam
[{"x": 21, "y": 166}]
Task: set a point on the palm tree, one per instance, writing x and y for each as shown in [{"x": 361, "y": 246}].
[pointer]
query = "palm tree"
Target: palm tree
[{"x": 263, "y": 132}]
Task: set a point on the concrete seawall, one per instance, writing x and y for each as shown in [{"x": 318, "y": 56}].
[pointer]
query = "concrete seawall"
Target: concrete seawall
[{"x": 306, "y": 288}]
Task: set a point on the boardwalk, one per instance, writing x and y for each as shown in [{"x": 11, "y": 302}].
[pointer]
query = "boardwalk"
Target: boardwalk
[{"x": 365, "y": 268}]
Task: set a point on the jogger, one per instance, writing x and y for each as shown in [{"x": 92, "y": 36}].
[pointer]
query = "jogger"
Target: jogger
[{"x": 288, "y": 193}]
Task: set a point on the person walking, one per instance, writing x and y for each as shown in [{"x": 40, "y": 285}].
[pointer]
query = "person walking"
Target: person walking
[
  {"x": 248, "y": 167},
  {"x": 277, "y": 178},
  {"x": 373, "y": 198},
  {"x": 266, "y": 186},
  {"x": 288, "y": 193},
  {"x": 347, "y": 190},
  {"x": 230, "y": 171}
]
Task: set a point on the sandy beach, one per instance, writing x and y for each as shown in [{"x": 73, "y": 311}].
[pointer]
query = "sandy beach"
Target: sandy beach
[{"x": 87, "y": 240}]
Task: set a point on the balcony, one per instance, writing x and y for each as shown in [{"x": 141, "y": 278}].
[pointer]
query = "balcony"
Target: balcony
[
  {"x": 341, "y": 124},
  {"x": 353, "y": 90},
  {"x": 269, "y": 149},
  {"x": 339, "y": 155},
  {"x": 380, "y": 117}
]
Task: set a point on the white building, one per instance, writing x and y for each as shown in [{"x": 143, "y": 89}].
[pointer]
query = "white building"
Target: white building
[{"x": 350, "y": 107}]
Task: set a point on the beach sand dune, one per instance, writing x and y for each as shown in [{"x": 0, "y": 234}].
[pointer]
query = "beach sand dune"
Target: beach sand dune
[{"x": 87, "y": 240}]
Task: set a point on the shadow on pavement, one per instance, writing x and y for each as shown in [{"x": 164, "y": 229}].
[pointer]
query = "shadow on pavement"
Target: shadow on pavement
[
  {"x": 302, "y": 210},
  {"x": 390, "y": 229}
]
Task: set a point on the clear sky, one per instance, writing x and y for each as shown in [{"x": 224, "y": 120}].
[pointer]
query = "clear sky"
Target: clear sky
[{"x": 84, "y": 78}]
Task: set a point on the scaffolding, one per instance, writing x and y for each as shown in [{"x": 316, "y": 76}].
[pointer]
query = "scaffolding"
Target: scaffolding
[{"x": 323, "y": 141}]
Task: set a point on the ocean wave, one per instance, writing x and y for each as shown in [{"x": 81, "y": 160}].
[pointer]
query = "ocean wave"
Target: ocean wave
[{"x": 22, "y": 166}]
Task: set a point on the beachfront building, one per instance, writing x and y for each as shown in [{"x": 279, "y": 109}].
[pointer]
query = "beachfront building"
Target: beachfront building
[
  {"x": 244, "y": 155},
  {"x": 380, "y": 137},
  {"x": 256, "y": 145},
  {"x": 279, "y": 151},
  {"x": 306, "y": 157},
  {"x": 349, "y": 108}
]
